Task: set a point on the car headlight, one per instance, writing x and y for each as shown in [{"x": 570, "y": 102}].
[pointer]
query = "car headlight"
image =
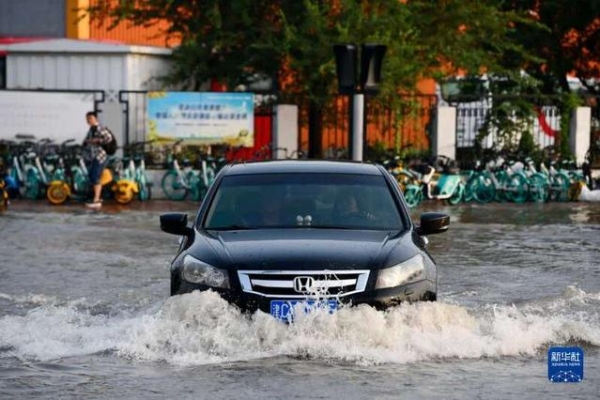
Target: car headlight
[
  {"x": 409, "y": 271},
  {"x": 196, "y": 271}
]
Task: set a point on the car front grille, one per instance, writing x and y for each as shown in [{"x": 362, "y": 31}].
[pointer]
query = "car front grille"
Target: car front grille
[{"x": 303, "y": 284}]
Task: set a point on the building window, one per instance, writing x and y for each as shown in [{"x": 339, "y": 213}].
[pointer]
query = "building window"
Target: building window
[{"x": 2, "y": 72}]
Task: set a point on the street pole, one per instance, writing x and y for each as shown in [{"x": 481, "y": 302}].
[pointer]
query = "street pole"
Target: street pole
[
  {"x": 346, "y": 61},
  {"x": 350, "y": 124},
  {"x": 358, "y": 125}
]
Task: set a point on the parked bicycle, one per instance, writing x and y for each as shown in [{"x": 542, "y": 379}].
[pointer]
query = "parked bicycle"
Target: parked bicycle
[
  {"x": 136, "y": 169},
  {"x": 181, "y": 181}
]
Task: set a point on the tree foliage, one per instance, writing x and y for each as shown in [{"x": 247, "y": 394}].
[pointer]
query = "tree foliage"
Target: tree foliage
[
  {"x": 239, "y": 41},
  {"x": 569, "y": 44},
  {"x": 225, "y": 40},
  {"x": 233, "y": 40}
]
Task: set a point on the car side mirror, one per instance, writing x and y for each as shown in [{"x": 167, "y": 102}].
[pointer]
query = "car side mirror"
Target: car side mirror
[
  {"x": 432, "y": 223},
  {"x": 176, "y": 224}
]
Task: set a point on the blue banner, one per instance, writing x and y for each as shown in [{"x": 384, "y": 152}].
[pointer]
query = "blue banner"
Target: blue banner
[{"x": 201, "y": 118}]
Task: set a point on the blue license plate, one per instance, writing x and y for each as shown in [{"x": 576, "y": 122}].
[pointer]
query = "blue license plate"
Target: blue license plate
[{"x": 284, "y": 309}]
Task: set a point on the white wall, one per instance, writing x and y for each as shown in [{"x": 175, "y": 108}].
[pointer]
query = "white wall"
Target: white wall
[
  {"x": 92, "y": 71},
  {"x": 57, "y": 116},
  {"x": 285, "y": 131},
  {"x": 580, "y": 129},
  {"x": 443, "y": 141},
  {"x": 143, "y": 71},
  {"x": 66, "y": 71}
]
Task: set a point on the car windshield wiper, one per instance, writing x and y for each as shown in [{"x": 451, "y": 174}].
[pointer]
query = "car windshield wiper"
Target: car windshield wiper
[{"x": 229, "y": 228}]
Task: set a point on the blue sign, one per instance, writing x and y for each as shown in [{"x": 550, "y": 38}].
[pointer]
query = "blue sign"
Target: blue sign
[
  {"x": 565, "y": 364},
  {"x": 201, "y": 118}
]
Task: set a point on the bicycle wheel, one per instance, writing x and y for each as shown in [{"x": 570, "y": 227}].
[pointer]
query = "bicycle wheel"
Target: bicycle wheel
[
  {"x": 58, "y": 192},
  {"x": 413, "y": 195},
  {"x": 124, "y": 191},
  {"x": 173, "y": 187},
  {"x": 538, "y": 189},
  {"x": 560, "y": 187},
  {"x": 469, "y": 189},
  {"x": 484, "y": 190},
  {"x": 517, "y": 188},
  {"x": 404, "y": 179}
]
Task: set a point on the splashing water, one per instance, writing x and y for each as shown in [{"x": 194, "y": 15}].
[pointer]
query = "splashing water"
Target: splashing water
[{"x": 201, "y": 328}]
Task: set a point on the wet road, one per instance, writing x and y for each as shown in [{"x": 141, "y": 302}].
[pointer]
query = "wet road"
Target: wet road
[{"x": 85, "y": 313}]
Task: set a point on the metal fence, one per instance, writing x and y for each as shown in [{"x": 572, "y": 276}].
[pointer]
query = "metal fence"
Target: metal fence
[
  {"x": 408, "y": 125},
  {"x": 500, "y": 121},
  {"x": 134, "y": 111},
  {"x": 405, "y": 125}
]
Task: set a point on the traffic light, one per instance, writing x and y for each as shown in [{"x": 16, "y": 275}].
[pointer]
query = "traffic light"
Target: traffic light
[
  {"x": 371, "y": 58},
  {"x": 346, "y": 60}
]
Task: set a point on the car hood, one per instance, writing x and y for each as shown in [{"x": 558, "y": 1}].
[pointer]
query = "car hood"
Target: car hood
[{"x": 302, "y": 248}]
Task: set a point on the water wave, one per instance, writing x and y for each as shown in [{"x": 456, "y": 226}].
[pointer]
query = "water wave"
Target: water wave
[
  {"x": 38, "y": 299},
  {"x": 201, "y": 328}
]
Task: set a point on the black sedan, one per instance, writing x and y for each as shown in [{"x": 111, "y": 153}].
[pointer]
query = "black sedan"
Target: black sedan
[{"x": 270, "y": 235}]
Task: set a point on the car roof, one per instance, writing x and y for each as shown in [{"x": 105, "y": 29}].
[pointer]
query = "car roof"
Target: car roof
[{"x": 303, "y": 166}]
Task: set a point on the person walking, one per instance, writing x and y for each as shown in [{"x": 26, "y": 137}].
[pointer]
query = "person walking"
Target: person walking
[{"x": 96, "y": 157}]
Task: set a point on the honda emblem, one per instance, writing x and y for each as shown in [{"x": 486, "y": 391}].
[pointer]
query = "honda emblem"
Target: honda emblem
[{"x": 303, "y": 284}]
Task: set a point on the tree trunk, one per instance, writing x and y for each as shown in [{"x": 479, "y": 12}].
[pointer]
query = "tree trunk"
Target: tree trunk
[{"x": 315, "y": 130}]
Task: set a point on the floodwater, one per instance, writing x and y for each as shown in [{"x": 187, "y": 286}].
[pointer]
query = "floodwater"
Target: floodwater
[{"x": 85, "y": 313}]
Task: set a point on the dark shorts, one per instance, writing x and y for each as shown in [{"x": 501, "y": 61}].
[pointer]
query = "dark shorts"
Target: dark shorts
[{"x": 95, "y": 171}]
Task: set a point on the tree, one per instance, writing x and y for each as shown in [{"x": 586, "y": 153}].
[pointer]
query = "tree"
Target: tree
[
  {"x": 233, "y": 40},
  {"x": 225, "y": 40},
  {"x": 569, "y": 44}
]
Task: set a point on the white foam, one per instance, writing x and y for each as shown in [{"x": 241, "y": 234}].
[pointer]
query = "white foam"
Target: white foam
[
  {"x": 200, "y": 328},
  {"x": 29, "y": 299}
]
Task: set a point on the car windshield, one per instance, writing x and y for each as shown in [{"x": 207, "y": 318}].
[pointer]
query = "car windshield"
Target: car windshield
[{"x": 308, "y": 200}]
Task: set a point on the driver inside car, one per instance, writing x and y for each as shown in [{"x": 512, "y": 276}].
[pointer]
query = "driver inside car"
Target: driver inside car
[{"x": 349, "y": 206}]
